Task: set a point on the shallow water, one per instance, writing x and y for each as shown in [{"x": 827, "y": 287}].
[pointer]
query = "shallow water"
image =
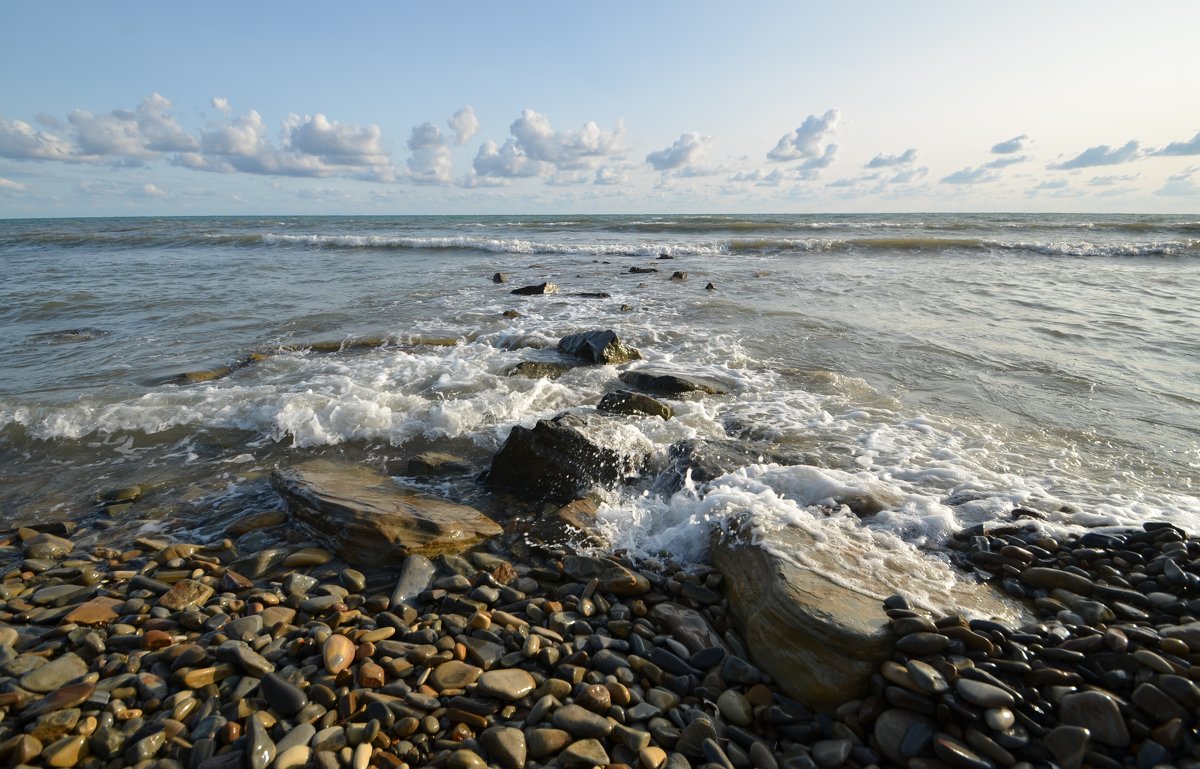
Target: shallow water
[{"x": 1045, "y": 361}]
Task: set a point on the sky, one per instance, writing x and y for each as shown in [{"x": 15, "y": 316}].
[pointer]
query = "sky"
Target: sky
[{"x": 140, "y": 108}]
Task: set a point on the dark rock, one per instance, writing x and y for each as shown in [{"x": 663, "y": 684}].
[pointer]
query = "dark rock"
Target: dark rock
[
  {"x": 536, "y": 369},
  {"x": 642, "y": 270},
  {"x": 633, "y": 404},
  {"x": 598, "y": 347},
  {"x": 555, "y": 461},
  {"x": 500, "y": 277},
  {"x": 541, "y": 288},
  {"x": 667, "y": 383},
  {"x": 679, "y": 275}
]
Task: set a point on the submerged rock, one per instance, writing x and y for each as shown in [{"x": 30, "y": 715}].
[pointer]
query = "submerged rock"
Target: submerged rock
[
  {"x": 633, "y": 404},
  {"x": 598, "y": 347},
  {"x": 536, "y": 369},
  {"x": 365, "y": 517},
  {"x": 555, "y": 461},
  {"x": 668, "y": 383}
]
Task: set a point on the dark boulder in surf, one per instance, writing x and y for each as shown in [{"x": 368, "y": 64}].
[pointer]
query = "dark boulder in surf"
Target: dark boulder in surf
[
  {"x": 598, "y": 347},
  {"x": 540, "y": 288},
  {"x": 633, "y": 404},
  {"x": 667, "y": 383}
]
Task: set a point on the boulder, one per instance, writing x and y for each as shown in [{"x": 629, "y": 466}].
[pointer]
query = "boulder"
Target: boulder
[
  {"x": 436, "y": 463},
  {"x": 818, "y": 638},
  {"x": 540, "y": 288},
  {"x": 366, "y": 518},
  {"x": 500, "y": 277},
  {"x": 598, "y": 347},
  {"x": 679, "y": 275},
  {"x": 667, "y": 383},
  {"x": 633, "y": 404},
  {"x": 642, "y": 270},
  {"x": 555, "y": 461}
]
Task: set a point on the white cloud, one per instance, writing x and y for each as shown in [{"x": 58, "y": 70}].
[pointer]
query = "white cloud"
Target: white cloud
[
  {"x": 759, "y": 178},
  {"x": 908, "y": 157},
  {"x": 313, "y": 146},
  {"x": 978, "y": 175},
  {"x": 1101, "y": 155},
  {"x": 221, "y": 103},
  {"x": 812, "y": 168},
  {"x": 689, "y": 150},
  {"x": 536, "y": 149},
  {"x": 908, "y": 176},
  {"x": 1016, "y": 144},
  {"x": 149, "y": 190},
  {"x": 430, "y": 161},
  {"x": 568, "y": 178},
  {"x": 464, "y": 124},
  {"x": 22, "y": 141},
  {"x": 141, "y": 134},
  {"x": 10, "y": 185},
  {"x": 1181, "y": 184},
  {"x": 808, "y": 140},
  {"x": 608, "y": 175}
]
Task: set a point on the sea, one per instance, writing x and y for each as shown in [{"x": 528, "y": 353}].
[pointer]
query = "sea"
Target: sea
[{"x": 955, "y": 367}]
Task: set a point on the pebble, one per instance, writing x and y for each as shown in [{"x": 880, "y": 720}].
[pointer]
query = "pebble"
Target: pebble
[{"x": 509, "y": 684}]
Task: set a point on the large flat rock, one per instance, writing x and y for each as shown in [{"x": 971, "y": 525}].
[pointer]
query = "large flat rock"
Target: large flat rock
[
  {"x": 819, "y": 636},
  {"x": 366, "y": 518}
]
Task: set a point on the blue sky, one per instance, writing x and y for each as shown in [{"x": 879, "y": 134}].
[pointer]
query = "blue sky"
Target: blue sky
[{"x": 226, "y": 108}]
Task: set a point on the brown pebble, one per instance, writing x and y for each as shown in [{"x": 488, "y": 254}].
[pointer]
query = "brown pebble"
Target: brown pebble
[
  {"x": 154, "y": 640},
  {"x": 370, "y": 675}
]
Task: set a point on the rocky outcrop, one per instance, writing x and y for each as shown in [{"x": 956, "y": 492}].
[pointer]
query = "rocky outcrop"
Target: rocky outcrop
[
  {"x": 573, "y": 523},
  {"x": 598, "y": 347},
  {"x": 555, "y": 461},
  {"x": 668, "y": 383},
  {"x": 366, "y": 518},
  {"x": 819, "y": 639},
  {"x": 633, "y": 404},
  {"x": 706, "y": 460}
]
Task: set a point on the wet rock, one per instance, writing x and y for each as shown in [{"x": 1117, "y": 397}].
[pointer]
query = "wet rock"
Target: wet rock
[
  {"x": 633, "y": 404},
  {"x": 55, "y": 674},
  {"x": 533, "y": 369},
  {"x": 612, "y": 577},
  {"x": 505, "y": 745},
  {"x": 598, "y": 347},
  {"x": 1099, "y": 714},
  {"x": 436, "y": 463},
  {"x": 453, "y": 674},
  {"x": 508, "y": 685},
  {"x": 283, "y": 697},
  {"x": 500, "y": 277},
  {"x": 669, "y": 383},
  {"x": 584, "y": 753},
  {"x": 580, "y": 722},
  {"x": 556, "y": 461},
  {"x": 367, "y": 519}
]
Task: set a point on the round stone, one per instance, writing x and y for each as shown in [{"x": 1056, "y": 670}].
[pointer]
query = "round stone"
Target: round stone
[
  {"x": 594, "y": 697},
  {"x": 337, "y": 652},
  {"x": 999, "y": 719},
  {"x": 510, "y": 684},
  {"x": 983, "y": 694},
  {"x": 831, "y": 753},
  {"x": 505, "y": 745},
  {"x": 454, "y": 675},
  {"x": 735, "y": 708}
]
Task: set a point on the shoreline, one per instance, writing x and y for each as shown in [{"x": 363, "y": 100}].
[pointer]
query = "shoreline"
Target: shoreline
[{"x": 514, "y": 656}]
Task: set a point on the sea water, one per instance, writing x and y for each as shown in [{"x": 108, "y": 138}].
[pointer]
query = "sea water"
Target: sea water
[{"x": 953, "y": 367}]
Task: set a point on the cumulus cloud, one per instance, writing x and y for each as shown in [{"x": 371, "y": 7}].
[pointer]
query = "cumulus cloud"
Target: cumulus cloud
[
  {"x": 10, "y": 185},
  {"x": 21, "y": 141},
  {"x": 1101, "y": 155},
  {"x": 908, "y": 157},
  {"x": 537, "y": 149},
  {"x": 221, "y": 103},
  {"x": 609, "y": 175},
  {"x": 149, "y": 190},
  {"x": 808, "y": 140},
  {"x": 1016, "y": 144},
  {"x": 759, "y": 178},
  {"x": 1190, "y": 147},
  {"x": 430, "y": 161},
  {"x": 140, "y": 134},
  {"x": 464, "y": 124},
  {"x": 310, "y": 145},
  {"x": 688, "y": 151},
  {"x": 907, "y": 176},
  {"x": 978, "y": 175}
]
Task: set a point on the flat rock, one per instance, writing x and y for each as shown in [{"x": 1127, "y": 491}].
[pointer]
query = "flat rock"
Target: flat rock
[
  {"x": 55, "y": 674},
  {"x": 1098, "y": 713},
  {"x": 581, "y": 722},
  {"x": 366, "y": 518},
  {"x": 98, "y": 611},
  {"x": 454, "y": 675},
  {"x": 185, "y": 593},
  {"x": 598, "y": 347},
  {"x": 613, "y": 577},
  {"x": 687, "y": 626},
  {"x": 820, "y": 639},
  {"x": 535, "y": 290},
  {"x": 670, "y": 383}
]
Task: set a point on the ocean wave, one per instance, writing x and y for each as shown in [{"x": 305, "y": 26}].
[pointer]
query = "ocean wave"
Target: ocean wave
[{"x": 497, "y": 245}]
